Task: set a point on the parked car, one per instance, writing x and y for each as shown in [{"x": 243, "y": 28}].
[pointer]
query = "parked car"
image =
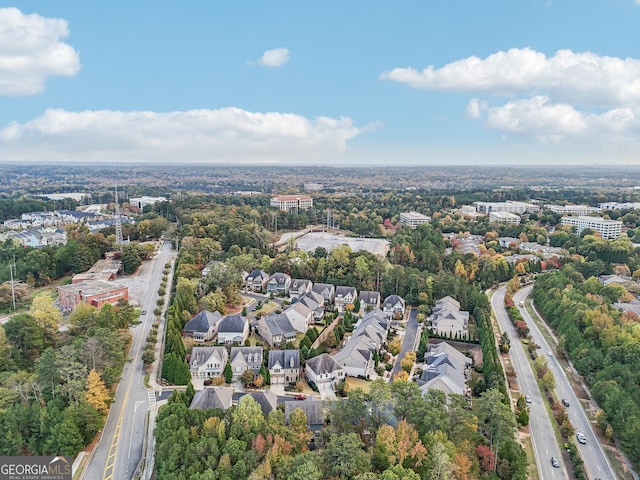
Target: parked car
[
  {"x": 581, "y": 438},
  {"x": 554, "y": 462},
  {"x": 300, "y": 396},
  {"x": 565, "y": 402}
]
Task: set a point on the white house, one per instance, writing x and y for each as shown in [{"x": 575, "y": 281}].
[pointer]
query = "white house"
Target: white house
[
  {"x": 203, "y": 326},
  {"x": 323, "y": 369},
  {"x": 233, "y": 328},
  {"x": 207, "y": 362},
  {"x": 447, "y": 318},
  {"x": 393, "y": 306},
  {"x": 300, "y": 316}
]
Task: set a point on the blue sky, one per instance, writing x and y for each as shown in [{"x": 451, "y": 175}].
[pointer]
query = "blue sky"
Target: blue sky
[{"x": 414, "y": 82}]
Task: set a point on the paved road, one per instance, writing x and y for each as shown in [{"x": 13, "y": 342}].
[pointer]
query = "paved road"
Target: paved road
[
  {"x": 120, "y": 448},
  {"x": 543, "y": 439},
  {"x": 408, "y": 342},
  {"x": 596, "y": 463}
]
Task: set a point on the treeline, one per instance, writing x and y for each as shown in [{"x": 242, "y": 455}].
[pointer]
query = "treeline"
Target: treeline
[
  {"x": 394, "y": 431},
  {"x": 54, "y": 386},
  {"x": 602, "y": 342}
]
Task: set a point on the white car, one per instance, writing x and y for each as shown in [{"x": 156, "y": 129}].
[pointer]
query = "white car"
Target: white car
[
  {"x": 550, "y": 353},
  {"x": 527, "y": 399},
  {"x": 581, "y": 438}
]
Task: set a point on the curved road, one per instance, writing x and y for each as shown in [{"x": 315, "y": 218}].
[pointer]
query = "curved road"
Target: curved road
[
  {"x": 596, "y": 463},
  {"x": 119, "y": 450},
  {"x": 543, "y": 439}
]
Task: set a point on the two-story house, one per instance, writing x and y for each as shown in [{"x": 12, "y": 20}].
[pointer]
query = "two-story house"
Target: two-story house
[
  {"x": 314, "y": 302},
  {"x": 279, "y": 284},
  {"x": 393, "y": 306},
  {"x": 257, "y": 280},
  {"x": 300, "y": 316},
  {"x": 299, "y": 287},
  {"x": 208, "y": 362},
  {"x": 276, "y": 329},
  {"x": 323, "y": 369},
  {"x": 369, "y": 301},
  {"x": 203, "y": 326},
  {"x": 245, "y": 358},
  {"x": 233, "y": 329},
  {"x": 345, "y": 296},
  {"x": 447, "y": 318},
  {"x": 284, "y": 366},
  {"x": 327, "y": 291}
]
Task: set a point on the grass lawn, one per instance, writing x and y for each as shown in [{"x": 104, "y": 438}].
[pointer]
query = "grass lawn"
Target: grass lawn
[{"x": 354, "y": 383}]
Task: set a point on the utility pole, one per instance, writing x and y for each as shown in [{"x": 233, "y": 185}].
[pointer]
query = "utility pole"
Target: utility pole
[{"x": 13, "y": 292}]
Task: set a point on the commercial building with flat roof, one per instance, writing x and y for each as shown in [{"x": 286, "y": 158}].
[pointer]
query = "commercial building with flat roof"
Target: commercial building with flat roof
[
  {"x": 511, "y": 207},
  {"x": 606, "y": 228},
  {"x": 572, "y": 209},
  {"x": 93, "y": 292},
  {"x": 292, "y": 202},
  {"x": 413, "y": 219},
  {"x": 504, "y": 217}
]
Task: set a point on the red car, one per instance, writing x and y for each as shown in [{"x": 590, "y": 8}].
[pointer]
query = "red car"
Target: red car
[{"x": 300, "y": 396}]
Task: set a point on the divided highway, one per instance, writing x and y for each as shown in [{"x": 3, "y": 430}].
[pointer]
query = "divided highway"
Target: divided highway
[
  {"x": 596, "y": 463},
  {"x": 543, "y": 439}
]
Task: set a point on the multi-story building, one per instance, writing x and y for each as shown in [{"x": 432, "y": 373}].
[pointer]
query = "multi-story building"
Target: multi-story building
[
  {"x": 606, "y": 228},
  {"x": 504, "y": 217},
  {"x": 572, "y": 209},
  {"x": 511, "y": 207},
  {"x": 413, "y": 219},
  {"x": 93, "y": 292},
  {"x": 619, "y": 206},
  {"x": 292, "y": 202}
]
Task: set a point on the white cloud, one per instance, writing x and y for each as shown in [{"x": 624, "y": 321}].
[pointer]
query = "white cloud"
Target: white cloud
[
  {"x": 551, "y": 122},
  {"x": 274, "y": 58},
  {"x": 31, "y": 51},
  {"x": 223, "y": 135},
  {"x": 585, "y": 78}
]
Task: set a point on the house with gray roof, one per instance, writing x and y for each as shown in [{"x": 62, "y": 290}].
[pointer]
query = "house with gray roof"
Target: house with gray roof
[
  {"x": 284, "y": 366},
  {"x": 300, "y": 316},
  {"x": 233, "y": 329},
  {"x": 299, "y": 287},
  {"x": 203, "y": 326},
  {"x": 345, "y": 296},
  {"x": 316, "y": 412},
  {"x": 357, "y": 355},
  {"x": 447, "y": 319},
  {"x": 445, "y": 369},
  {"x": 208, "y": 362},
  {"x": 276, "y": 329},
  {"x": 268, "y": 401},
  {"x": 314, "y": 302},
  {"x": 245, "y": 358},
  {"x": 369, "y": 301},
  {"x": 323, "y": 369},
  {"x": 215, "y": 397},
  {"x": 393, "y": 306},
  {"x": 257, "y": 280},
  {"x": 279, "y": 284},
  {"x": 327, "y": 291}
]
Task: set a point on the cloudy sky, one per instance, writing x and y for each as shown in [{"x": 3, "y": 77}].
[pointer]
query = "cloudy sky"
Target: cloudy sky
[{"x": 414, "y": 82}]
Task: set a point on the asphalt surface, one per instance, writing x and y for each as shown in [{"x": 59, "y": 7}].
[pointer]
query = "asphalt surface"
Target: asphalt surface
[
  {"x": 119, "y": 450},
  {"x": 596, "y": 463},
  {"x": 543, "y": 439},
  {"x": 408, "y": 342}
]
